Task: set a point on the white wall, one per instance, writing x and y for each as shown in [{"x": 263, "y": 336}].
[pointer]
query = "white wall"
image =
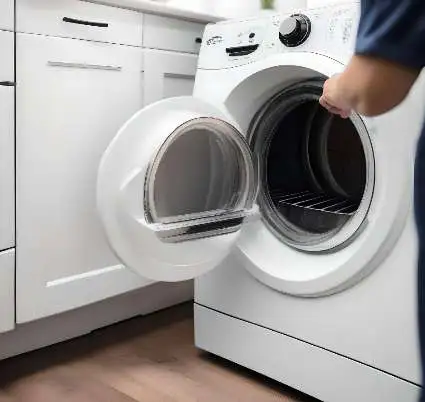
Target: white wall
[
  {"x": 236, "y": 8},
  {"x": 202, "y": 6},
  {"x": 320, "y": 3},
  {"x": 245, "y": 8}
]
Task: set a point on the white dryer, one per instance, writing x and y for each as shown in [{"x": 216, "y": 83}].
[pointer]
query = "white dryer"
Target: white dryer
[{"x": 297, "y": 224}]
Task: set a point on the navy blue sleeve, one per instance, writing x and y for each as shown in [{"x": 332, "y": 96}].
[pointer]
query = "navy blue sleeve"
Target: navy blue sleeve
[{"x": 393, "y": 30}]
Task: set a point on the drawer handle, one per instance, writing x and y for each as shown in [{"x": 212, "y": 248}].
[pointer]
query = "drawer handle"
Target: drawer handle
[
  {"x": 198, "y": 40},
  {"x": 84, "y": 66},
  {"x": 82, "y": 22},
  {"x": 180, "y": 76},
  {"x": 7, "y": 84}
]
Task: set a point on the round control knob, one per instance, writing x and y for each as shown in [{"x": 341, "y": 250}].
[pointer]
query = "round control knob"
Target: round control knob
[{"x": 294, "y": 30}]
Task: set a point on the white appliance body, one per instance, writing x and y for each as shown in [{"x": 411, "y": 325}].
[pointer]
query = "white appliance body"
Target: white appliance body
[{"x": 334, "y": 317}]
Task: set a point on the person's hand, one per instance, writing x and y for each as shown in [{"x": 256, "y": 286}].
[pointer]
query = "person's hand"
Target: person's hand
[{"x": 333, "y": 99}]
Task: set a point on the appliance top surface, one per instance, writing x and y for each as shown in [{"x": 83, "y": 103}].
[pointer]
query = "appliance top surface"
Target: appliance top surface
[{"x": 236, "y": 43}]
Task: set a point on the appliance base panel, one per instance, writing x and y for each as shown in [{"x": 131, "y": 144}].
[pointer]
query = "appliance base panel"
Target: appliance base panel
[{"x": 320, "y": 373}]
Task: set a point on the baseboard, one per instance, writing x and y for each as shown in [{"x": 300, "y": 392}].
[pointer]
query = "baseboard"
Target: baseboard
[
  {"x": 58, "y": 328},
  {"x": 322, "y": 374}
]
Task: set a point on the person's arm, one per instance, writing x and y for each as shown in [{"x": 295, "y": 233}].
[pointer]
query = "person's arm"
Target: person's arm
[
  {"x": 369, "y": 85},
  {"x": 389, "y": 55}
]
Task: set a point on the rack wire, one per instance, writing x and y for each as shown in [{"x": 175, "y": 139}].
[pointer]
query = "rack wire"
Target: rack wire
[
  {"x": 316, "y": 201},
  {"x": 315, "y": 212}
]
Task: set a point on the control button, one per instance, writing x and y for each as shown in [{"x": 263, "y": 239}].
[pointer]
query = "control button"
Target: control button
[
  {"x": 288, "y": 26},
  {"x": 251, "y": 35},
  {"x": 294, "y": 30}
]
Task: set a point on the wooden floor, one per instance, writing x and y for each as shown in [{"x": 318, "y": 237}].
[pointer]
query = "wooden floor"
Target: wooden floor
[{"x": 144, "y": 359}]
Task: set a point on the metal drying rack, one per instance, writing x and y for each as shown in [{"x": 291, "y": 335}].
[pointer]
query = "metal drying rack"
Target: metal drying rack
[{"x": 319, "y": 202}]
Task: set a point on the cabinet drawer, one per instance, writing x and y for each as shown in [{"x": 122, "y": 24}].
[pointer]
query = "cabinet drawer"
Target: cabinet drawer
[
  {"x": 168, "y": 74},
  {"x": 6, "y": 14},
  {"x": 172, "y": 34},
  {"x": 7, "y": 290},
  {"x": 7, "y": 168},
  {"x": 78, "y": 19},
  {"x": 6, "y": 56}
]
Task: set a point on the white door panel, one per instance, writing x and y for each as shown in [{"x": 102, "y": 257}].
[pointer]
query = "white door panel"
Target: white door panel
[
  {"x": 72, "y": 97},
  {"x": 7, "y": 14},
  {"x": 7, "y": 290},
  {"x": 168, "y": 74},
  {"x": 174, "y": 189},
  {"x": 7, "y": 49},
  {"x": 7, "y": 168}
]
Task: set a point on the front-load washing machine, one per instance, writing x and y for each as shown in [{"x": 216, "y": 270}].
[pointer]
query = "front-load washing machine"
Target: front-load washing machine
[{"x": 297, "y": 224}]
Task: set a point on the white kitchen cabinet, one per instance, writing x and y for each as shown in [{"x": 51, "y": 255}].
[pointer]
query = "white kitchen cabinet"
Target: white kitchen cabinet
[
  {"x": 7, "y": 46},
  {"x": 72, "y": 98},
  {"x": 172, "y": 34},
  {"x": 79, "y": 19},
  {"x": 7, "y": 168},
  {"x": 7, "y": 14},
  {"x": 168, "y": 74},
  {"x": 7, "y": 290}
]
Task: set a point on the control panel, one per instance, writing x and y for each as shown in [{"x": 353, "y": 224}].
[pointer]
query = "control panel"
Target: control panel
[
  {"x": 246, "y": 42},
  {"x": 233, "y": 43},
  {"x": 330, "y": 31}
]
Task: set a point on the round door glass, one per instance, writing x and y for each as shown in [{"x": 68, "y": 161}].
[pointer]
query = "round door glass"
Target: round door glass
[
  {"x": 317, "y": 169},
  {"x": 201, "y": 181}
]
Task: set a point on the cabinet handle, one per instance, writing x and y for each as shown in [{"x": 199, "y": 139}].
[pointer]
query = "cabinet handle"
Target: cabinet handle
[
  {"x": 82, "y": 22},
  {"x": 198, "y": 40},
  {"x": 181, "y": 76},
  {"x": 7, "y": 84},
  {"x": 83, "y": 66}
]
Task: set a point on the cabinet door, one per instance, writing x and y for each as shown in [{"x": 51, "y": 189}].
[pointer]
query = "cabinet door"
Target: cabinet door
[
  {"x": 7, "y": 51},
  {"x": 172, "y": 34},
  {"x": 6, "y": 14},
  {"x": 7, "y": 168},
  {"x": 7, "y": 290},
  {"x": 168, "y": 74},
  {"x": 72, "y": 98}
]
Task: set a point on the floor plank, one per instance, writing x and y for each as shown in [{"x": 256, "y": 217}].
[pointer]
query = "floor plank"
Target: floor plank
[{"x": 146, "y": 359}]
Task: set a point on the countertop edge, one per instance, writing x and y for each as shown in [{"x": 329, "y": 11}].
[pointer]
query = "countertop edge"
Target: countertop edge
[{"x": 151, "y": 7}]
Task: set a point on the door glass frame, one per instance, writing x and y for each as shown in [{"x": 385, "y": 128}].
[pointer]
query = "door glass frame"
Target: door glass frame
[{"x": 214, "y": 222}]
